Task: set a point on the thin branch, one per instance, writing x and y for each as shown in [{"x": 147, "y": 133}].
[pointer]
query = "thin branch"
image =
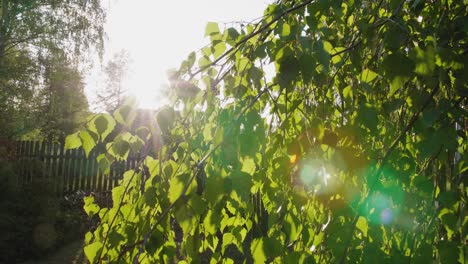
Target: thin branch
[{"x": 253, "y": 34}]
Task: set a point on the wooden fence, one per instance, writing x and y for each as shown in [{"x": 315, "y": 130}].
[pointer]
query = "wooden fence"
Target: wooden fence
[{"x": 66, "y": 170}]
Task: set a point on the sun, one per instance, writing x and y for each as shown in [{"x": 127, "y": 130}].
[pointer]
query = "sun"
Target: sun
[
  {"x": 149, "y": 93},
  {"x": 159, "y": 35}
]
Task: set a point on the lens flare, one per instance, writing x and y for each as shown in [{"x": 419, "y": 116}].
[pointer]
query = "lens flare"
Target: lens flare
[
  {"x": 293, "y": 158},
  {"x": 381, "y": 209},
  {"x": 318, "y": 176},
  {"x": 386, "y": 216}
]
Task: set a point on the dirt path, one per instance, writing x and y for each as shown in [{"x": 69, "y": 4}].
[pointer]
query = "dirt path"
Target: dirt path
[{"x": 68, "y": 254}]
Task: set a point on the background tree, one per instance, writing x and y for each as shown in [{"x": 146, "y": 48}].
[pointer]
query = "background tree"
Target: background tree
[
  {"x": 116, "y": 69},
  {"x": 30, "y": 29},
  {"x": 63, "y": 106},
  {"x": 71, "y": 25},
  {"x": 17, "y": 95},
  {"x": 343, "y": 154}
]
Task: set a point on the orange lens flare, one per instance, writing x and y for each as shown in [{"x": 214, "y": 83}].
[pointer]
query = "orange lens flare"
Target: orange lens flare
[{"x": 293, "y": 158}]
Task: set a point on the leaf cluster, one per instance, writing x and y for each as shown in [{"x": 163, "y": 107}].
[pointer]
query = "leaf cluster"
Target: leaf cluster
[{"x": 326, "y": 132}]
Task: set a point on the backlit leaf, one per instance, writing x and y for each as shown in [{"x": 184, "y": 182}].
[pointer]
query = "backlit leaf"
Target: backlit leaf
[
  {"x": 362, "y": 225},
  {"x": 211, "y": 29},
  {"x": 92, "y": 251},
  {"x": 256, "y": 249},
  {"x": 73, "y": 141}
]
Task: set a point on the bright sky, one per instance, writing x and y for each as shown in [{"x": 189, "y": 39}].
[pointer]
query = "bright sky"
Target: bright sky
[{"x": 159, "y": 34}]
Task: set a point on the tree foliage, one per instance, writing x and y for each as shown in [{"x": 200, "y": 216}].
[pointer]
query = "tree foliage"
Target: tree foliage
[
  {"x": 113, "y": 94},
  {"x": 325, "y": 132},
  {"x": 31, "y": 32},
  {"x": 63, "y": 106},
  {"x": 16, "y": 95},
  {"x": 71, "y": 25}
]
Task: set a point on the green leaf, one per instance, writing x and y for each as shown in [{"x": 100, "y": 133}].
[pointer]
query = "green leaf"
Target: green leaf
[
  {"x": 197, "y": 204},
  {"x": 241, "y": 184},
  {"x": 348, "y": 92},
  {"x": 424, "y": 59},
  {"x": 228, "y": 239},
  {"x": 211, "y": 222},
  {"x": 153, "y": 166},
  {"x": 169, "y": 169},
  {"x": 292, "y": 227},
  {"x": 219, "y": 135},
  {"x": 449, "y": 221},
  {"x": 211, "y": 29},
  {"x": 89, "y": 141},
  {"x": 185, "y": 218},
  {"x": 92, "y": 251},
  {"x": 368, "y": 76},
  {"x": 151, "y": 196},
  {"x": 125, "y": 115},
  {"x": 214, "y": 189},
  {"x": 73, "y": 141},
  {"x": 273, "y": 247},
  {"x": 115, "y": 238},
  {"x": 292, "y": 257},
  {"x": 285, "y": 30},
  {"x": 307, "y": 66},
  {"x": 219, "y": 49},
  {"x": 119, "y": 149},
  {"x": 322, "y": 56},
  {"x": 248, "y": 166},
  {"x": 101, "y": 124},
  {"x": 176, "y": 186},
  {"x": 398, "y": 69},
  {"x": 155, "y": 242},
  {"x": 362, "y": 225},
  {"x": 241, "y": 64},
  {"x": 203, "y": 62},
  {"x": 207, "y": 133},
  {"x": 288, "y": 69},
  {"x": 117, "y": 194},
  {"x": 90, "y": 207},
  {"x": 256, "y": 249},
  {"x": 103, "y": 163},
  {"x": 166, "y": 116},
  {"x": 424, "y": 185},
  {"x": 368, "y": 115}
]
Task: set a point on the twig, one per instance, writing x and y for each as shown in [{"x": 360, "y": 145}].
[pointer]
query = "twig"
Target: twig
[{"x": 253, "y": 34}]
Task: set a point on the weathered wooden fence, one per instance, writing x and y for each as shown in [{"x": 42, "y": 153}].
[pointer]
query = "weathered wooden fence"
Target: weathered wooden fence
[{"x": 66, "y": 170}]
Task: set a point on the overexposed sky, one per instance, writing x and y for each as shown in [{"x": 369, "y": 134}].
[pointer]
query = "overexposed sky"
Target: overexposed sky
[{"x": 159, "y": 34}]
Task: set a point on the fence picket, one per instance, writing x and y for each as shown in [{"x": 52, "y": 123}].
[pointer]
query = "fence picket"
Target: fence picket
[
  {"x": 60, "y": 170},
  {"x": 82, "y": 165},
  {"x": 53, "y": 165},
  {"x": 29, "y": 162},
  {"x": 67, "y": 170},
  {"x": 45, "y": 161}
]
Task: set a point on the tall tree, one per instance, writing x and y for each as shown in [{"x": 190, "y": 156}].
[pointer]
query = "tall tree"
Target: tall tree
[
  {"x": 34, "y": 29},
  {"x": 17, "y": 96},
  {"x": 71, "y": 25},
  {"x": 116, "y": 69},
  {"x": 63, "y": 105}
]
